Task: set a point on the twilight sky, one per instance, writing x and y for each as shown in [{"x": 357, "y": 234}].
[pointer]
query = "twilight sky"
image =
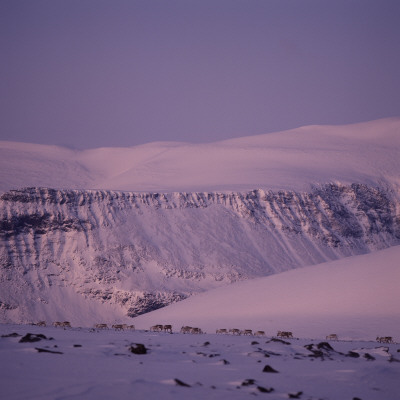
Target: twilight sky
[{"x": 93, "y": 73}]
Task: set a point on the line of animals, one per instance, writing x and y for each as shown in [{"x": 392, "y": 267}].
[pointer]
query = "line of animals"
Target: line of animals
[{"x": 194, "y": 330}]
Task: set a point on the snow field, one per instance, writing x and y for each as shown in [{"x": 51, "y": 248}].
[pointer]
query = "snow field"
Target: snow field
[
  {"x": 355, "y": 297},
  {"x": 292, "y": 160},
  {"x": 98, "y": 365}
]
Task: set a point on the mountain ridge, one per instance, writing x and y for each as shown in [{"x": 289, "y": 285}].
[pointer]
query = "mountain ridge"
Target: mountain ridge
[{"x": 289, "y": 160}]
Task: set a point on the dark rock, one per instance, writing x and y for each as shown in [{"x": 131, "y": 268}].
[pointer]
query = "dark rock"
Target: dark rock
[
  {"x": 369, "y": 357},
  {"x": 265, "y": 390},
  {"x": 352, "y": 354},
  {"x": 268, "y": 368},
  {"x": 321, "y": 350},
  {"x": 14, "y": 334},
  {"x": 32, "y": 337},
  {"x": 138, "y": 348},
  {"x": 254, "y": 342},
  {"x": 248, "y": 382},
  {"x": 325, "y": 346},
  {"x": 316, "y": 353},
  {"x": 206, "y": 344},
  {"x": 277, "y": 341},
  {"x": 77, "y": 345},
  {"x": 295, "y": 395},
  {"x": 225, "y": 362},
  {"x": 47, "y": 351},
  {"x": 181, "y": 383}
]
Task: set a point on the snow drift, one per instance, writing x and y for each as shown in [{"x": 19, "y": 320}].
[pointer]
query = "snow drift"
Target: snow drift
[{"x": 355, "y": 297}]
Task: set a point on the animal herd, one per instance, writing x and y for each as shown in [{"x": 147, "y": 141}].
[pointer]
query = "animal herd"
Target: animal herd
[{"x": 195, "y": 330}]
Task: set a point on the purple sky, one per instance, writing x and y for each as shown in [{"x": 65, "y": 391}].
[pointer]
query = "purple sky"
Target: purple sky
[{"x": 91, "y": 73}]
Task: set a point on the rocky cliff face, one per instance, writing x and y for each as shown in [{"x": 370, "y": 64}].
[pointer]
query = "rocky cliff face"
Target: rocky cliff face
[{"x": 130, "y": 253}]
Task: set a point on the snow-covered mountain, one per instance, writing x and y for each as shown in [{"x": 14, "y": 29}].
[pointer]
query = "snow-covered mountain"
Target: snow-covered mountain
[
  {"x": 291, "y": 160},
  {"x": 137, "y": 252},
  {"x": 317, "y": 194}
]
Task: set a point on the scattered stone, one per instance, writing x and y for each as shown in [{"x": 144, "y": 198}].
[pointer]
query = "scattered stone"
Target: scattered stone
[
  {"x": 138, "y": 348},
  {"x": 14, "y": 334},
  {"x": 214, "y": 355},
  {"x": 356, "y": 398},
  {"x": 369, "y": 357},
  {"x": 181, "y": 383},
  {"x": 320, "y": 350},
  {"x": 295, "y": 395},
  {"x": 47, "y": 351},
  {"x": 248, "y": 382},
  {"x": 254, "y": 342},
  {"x": 225, "y": 362},
  {"x": 268, "y": 368},
  {"x": 316, "y": 353},
  {"x": 206, "y": 344},
  {"x": 265, "y": 390},
  {"x": 32, "y": 337},
  {"x": 277, "y": 341},
  {"x": 352, "y": 354},
  {"x": 77, "y": 345},
  {"x": 325, "y": 346}
]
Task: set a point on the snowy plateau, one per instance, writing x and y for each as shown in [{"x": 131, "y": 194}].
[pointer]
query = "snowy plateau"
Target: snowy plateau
[{"x": 296, "y": 231}]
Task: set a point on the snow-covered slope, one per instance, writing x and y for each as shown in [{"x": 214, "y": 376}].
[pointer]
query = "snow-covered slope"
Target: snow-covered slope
[
  {"x": 291, "y": 160},
  {"x": 356, "y": 297},
  {"x": 134, "y": 252}
]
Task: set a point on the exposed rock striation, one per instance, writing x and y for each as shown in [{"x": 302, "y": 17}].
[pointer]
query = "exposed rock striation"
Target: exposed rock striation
[{"x": 138, "y": 252}]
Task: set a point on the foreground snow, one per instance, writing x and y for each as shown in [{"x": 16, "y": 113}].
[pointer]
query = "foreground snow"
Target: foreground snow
[
  {"x": 96, "y": 365},
  {"x": 355, "y": 297}
]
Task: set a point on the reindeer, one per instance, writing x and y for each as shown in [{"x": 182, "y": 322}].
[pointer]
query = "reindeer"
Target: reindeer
[
  {"x": 118, "y": 327},
  {"x": 41, "y": 323},
  {"x": 247, "y": 332},
  {"x": 131, "y": 327},
  {"x": 156, "y": 328},
  {"x": 384, "y": 339},
  {"x": 196, "y": 331},
  {"x": 234, "y": 331},
  {"x": 186, "y": 329},
  {"x": 221, "y": 331},
  {"x": 168, "y": 328},
  {"x": 332, "y": 336},
  {"x": 64, "y": 324},
  {"x": 259, "y": 333},
  {"x": 101, "y": 326},
  {"x": 284, "y": 334}
]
